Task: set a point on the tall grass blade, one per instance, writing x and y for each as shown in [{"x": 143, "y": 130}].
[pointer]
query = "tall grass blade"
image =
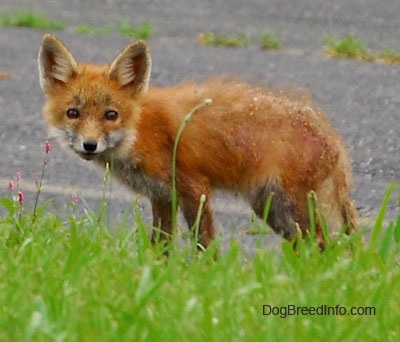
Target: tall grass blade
[
  {"x": 386, "y": 243},
  {"x": 377, "y": 228},
  {"x": 397, "y": 230},
  {"x": 196, "y": 226},
  {"x": 311, "y": 213},
  {"x": 267, "y": 207},
  {"x": 186, "y": 120}
]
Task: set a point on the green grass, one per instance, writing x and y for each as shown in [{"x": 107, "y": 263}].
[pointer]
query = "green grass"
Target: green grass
[
  {"x": 144, "y": 31},
  {"x": 351, "y": 47},
  {"x": 78, "y": 280},
  {"x": 30, "y": 19},
  {"x": 41, "y": 21},
  {"x": 348, "y": 47},
  {"x": 209, "y": 38},
  {"x": 389, "y": 55},
  {"x": 88, "y": 29},
  {"x": 270, "y": 41}
]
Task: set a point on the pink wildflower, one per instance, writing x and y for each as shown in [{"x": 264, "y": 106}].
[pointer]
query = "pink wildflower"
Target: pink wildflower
[
  {"x": 20, "y": 197},
  {"x": 74, "y": 198},
  {"x": 11, "y": 185},
  {"x": 47, "y": 146}
]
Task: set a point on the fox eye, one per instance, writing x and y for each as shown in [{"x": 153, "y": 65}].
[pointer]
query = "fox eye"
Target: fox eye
[
  {"x": 73, "y": 113},
  {"x": 111, "y": 115}
]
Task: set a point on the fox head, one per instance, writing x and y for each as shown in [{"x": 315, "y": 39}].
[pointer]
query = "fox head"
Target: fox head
[{"x": 93, "y": 109}]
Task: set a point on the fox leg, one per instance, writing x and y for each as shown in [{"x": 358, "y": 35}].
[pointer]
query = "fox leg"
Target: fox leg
[
  {"x": 350, "y": 216},
  {"x": 162, "y": 221},
  {"x": 338, "y": 210},
  {"x": 281, "y": 213},
  {"x": 189, "y": 202}
]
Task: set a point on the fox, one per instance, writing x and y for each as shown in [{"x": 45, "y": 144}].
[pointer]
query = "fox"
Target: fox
[{"x": 250, "y": 141}]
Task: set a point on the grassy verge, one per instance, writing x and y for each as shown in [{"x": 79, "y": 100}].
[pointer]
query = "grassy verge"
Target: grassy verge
[
  {"x": 209, "y": 38},
  {"x": 41, "y": 21},
  {"x": 346, "y": 47},
  {"x": 30, "y": 19},
  {"x": 144, "y": 31},
  {"x": 89, "y": 29},
  {"x": 351, "y": 47},
  {"x": 78, "y": 280},
  {"x": 270, "y": 41}
]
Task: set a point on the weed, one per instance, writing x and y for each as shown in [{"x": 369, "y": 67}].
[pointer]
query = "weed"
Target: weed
[
  {"x": 143, "y": 31},
  {"x": 30, "y": 19},
  {"x": 39, "y": 182},
  {"x": 174, "y": 201},
  {"x": 87, "y": 29},
  {"x": 14, "y": 205},
  {"x": 389, "y": 55},
  {"x": 270, "y": 41},
  {"x": 209, "y": 38},
  {"x": 77, "y": 281},
  {"x": 348, "y": 47}
]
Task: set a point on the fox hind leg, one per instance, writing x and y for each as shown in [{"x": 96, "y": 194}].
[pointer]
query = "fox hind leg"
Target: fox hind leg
[
  {"x": 281, "y": 212},
  {"x": 333, "y": 199}
]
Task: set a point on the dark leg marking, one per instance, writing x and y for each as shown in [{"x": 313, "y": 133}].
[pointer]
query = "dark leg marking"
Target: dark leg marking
[{"x": 281, "y": 214}]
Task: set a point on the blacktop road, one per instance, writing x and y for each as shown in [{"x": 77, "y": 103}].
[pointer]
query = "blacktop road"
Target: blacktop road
[{"x": 361, "y": 99}]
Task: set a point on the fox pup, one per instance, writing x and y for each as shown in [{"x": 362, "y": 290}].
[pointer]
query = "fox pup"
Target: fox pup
[{"x": 248, "y": 140}]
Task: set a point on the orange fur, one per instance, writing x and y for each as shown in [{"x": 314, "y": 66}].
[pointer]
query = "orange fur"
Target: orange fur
[{"x": 248, "y": 140}]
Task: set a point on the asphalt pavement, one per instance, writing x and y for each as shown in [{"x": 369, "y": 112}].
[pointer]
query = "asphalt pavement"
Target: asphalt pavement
[{"x": 361, "y": 99}]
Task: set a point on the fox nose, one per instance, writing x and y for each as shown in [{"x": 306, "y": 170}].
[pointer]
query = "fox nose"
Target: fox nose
[{"x": 90, "y": 145}]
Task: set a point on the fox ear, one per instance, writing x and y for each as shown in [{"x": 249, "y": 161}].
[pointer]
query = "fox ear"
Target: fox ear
[
  {"x": 55, "y": 62},
  {"x": 132, "y": 67}
]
